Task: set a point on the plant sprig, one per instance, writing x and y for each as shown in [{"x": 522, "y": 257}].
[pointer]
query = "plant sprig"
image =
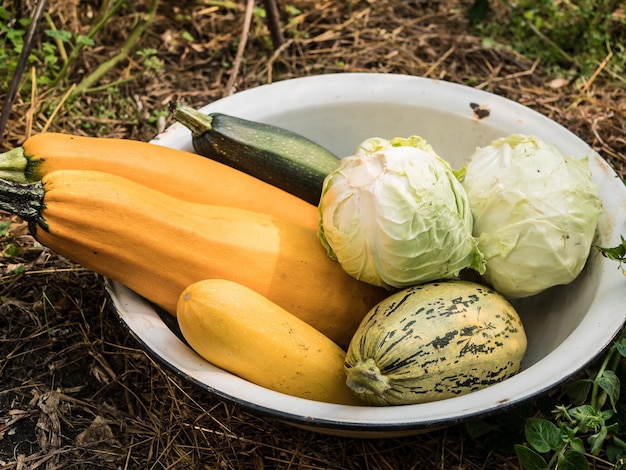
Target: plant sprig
[
  {"x": 586, "y": 428},
  {"x": 617, "y": 253}
]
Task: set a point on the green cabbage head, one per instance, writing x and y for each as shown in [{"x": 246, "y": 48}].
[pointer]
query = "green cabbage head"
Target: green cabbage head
[
  {"x": 394, "y": 215},
  {"x": 535, "y": 213}
]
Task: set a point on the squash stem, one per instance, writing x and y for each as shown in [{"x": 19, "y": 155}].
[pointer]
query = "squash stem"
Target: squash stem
[
  {"x": 13, "y": 165},
  {"x": 365, "y": 378},
  {"x": 25, "y": 201},
  {"x": 197, "y": 122}
]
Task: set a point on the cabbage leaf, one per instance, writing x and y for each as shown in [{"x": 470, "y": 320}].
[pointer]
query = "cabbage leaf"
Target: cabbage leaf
[
  {"x": 395, "y": 215},
  {"x": 535, "y": 213}
]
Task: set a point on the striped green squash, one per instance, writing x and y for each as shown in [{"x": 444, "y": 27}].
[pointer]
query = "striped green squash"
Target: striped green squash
[{"x": 434, "y": 341}]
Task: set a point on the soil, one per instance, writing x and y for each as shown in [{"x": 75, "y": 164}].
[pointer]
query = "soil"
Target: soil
[{"x": 76, "y": 389}]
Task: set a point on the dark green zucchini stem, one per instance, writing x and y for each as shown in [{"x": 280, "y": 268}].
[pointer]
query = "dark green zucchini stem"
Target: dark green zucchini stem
[
  {"x": 197, "y": 122},
  {"x": 25, "y": 201}
]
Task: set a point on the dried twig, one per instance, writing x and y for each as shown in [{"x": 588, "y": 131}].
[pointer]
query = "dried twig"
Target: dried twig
[
  {"x": 21, "y": 65},
  {"x": 273, "y": 23},
  {"x": 240, "y": 49}
]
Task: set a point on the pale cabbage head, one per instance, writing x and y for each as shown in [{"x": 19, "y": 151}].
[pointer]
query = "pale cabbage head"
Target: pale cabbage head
[
  {"x": 535, "y": 213},
  {"x": 394, "y": 215}
]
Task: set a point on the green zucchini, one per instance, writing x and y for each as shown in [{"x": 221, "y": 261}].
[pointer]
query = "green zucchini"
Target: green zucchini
[
  {"x": 434, "y": 341},
  {"x": 273, "y": 154}
]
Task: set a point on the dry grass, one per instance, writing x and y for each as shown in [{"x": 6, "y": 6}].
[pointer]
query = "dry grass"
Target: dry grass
[{"x": 76, "y": 392}]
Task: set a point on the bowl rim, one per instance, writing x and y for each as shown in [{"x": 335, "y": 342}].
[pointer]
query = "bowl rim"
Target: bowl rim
[
  {"x": 347, "y": 87},
  {"x": 311, "y": 421}
]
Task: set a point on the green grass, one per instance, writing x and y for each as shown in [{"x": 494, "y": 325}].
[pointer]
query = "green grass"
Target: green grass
[
  {"x": 57, "y": 51},
  {"x": 568, "y": 37}
]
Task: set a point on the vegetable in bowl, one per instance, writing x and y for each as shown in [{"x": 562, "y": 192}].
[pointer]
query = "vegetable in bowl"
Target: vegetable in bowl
[
  {"x": 395, "y": 215},
  {"x": 535, "y": 213},
  {"x": 434, "y": 341}
]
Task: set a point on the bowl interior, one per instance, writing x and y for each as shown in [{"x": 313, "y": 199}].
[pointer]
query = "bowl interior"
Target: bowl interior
[{"x": 567, "y": 326}]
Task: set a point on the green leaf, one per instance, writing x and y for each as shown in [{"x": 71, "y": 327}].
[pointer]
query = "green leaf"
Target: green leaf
[
  {"x": 577, "y": 445},
  {"x": 612, "y": 428},
  {"x": 617, "y": 253},
  {"x": 615, "y": 453},
  {"x": 63, "y": 36},
  {"x": 596, "y": 440},
  {"x": 292, "y": 11},
  {"x": 617, "y": 442},
  {"x": 147, "y": 52},
  {"x": 21, "y": 269},
  {"x": 621, "y": 347},
  {"x": 260, "y": 12},
  {"x": 11, "y": 250},
  {"x": 478, "y": 428},
  {"x": 587, "y": 417},
  {"x": 572, "y": 460},
  {"x": 478, "y": 11},
  {"x": 501, "y": 432},
  {"x": 543, "y": 435},
  {"x": 578, "y": 391},
  {"x": 4, "y": 227},
  {"x": 609, "y": 382},
  {"x": 530, "y": 459},
  {"x": 84, "y": 41}
]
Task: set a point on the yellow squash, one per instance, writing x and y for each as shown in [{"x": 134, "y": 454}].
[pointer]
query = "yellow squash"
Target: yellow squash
[
  {"x": 181, "y": 174},
  {"x": 158, "y": 245},
  {"x": 243, "y": 332}
]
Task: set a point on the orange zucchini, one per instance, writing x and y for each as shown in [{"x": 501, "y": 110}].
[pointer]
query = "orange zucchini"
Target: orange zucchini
[
  {"x": 158, "y": 245},
  {"x": 243, "y": 332},
  {"x": 181, "y": 174}
]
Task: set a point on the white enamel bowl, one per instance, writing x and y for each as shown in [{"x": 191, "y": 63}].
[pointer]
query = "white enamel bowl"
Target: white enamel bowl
[{"x": 567, "y": 326}]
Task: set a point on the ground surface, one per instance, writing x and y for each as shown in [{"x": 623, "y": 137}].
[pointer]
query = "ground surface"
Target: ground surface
[{"x": 67, "y": 364}]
